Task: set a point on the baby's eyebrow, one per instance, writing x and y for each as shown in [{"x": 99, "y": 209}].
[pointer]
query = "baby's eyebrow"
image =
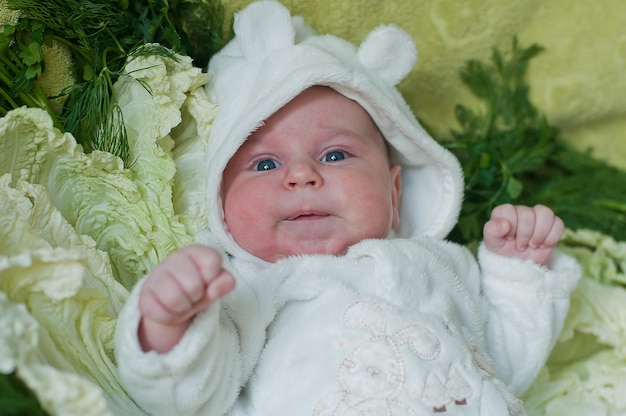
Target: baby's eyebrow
[
  {"x": 342, "y": 132},
  {"x": 363, "y": 138}
]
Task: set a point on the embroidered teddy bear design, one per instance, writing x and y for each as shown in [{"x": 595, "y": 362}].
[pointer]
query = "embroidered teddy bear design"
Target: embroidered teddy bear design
[{"x": 372, "y": 376}]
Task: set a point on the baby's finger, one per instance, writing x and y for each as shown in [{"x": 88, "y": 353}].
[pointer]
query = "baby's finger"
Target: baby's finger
[
  {"x": 543, "y": 221},
  {"x": 162, "y": 301},
  {"x": 223, "y": 284},
  {"x": 555, "y": 234},
  {"x": 206, "y": 260},
  {"x": 525, "y": 226},
  {"x": 181, "y": 268},
  {"x": 501, "y": 215},
  {"x": 171, "y": 293},
  {"x": 495, "y": 232}
]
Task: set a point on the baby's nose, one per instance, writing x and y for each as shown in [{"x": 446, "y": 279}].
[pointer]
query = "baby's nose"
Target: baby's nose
[{"x": 303, "y": 173}]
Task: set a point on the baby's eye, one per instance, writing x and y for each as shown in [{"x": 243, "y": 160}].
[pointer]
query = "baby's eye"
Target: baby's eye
[
  {"x": 265, "y": 164},
  {"x": 334, "y": 156}
]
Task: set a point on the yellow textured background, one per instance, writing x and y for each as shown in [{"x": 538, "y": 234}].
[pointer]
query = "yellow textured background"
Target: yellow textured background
[{"x": 578, "y": 81}]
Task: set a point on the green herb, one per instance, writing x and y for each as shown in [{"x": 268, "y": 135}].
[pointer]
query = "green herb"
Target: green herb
[
  {"x": 16, "y": 398},
  {"x": 584, "y": 191},
  {"x": 21, "y": 61},
  {"x": 200, "y": 24},
  {"x": 510, "y": 154},
  {"x": 101, "y": 35}
]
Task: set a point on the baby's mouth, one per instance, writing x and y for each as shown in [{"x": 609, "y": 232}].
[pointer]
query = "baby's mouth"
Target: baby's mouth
[
  {"x": 307, "y": 216},
  {"x": 304, "y": 217}
]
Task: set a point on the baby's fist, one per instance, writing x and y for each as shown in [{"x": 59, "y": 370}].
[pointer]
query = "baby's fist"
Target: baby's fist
[
  {"x": 187, "y": 281},
  {"x": 530, "y": 233},
  {"x": 183, "y": 284}
]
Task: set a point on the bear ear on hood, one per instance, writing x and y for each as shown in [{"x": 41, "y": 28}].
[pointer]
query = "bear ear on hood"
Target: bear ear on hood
[
  {"x": 390, "y": 52},
  {"x": 263, "y": 29}
]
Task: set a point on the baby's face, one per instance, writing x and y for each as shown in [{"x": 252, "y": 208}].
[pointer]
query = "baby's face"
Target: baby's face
[{"x": 314, "y": 179}]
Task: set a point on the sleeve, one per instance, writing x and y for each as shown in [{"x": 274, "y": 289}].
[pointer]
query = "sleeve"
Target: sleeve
[
  {"x": 525, "y": 305},
  {"x": 199, "y": 375}
]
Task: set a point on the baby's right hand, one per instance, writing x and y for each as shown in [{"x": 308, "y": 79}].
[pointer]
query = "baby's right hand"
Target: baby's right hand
[{"x": 186, "y": 282}]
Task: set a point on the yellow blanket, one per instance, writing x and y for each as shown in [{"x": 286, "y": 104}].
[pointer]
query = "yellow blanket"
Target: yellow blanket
[{"x": 578, "y": 81}]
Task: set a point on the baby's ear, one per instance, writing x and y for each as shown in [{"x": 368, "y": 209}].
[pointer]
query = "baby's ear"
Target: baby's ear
[
  {"x": 390, "y": 52},
  {"x": 264, "y": 27}
]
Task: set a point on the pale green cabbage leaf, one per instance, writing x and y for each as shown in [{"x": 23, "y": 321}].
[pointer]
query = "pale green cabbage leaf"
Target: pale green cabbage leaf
[
  {"x": 59, "y": 392},
  {"x": 77, "y": 230},
  {"x": 129, "y": 211},
  {"x": 586, "y": 372},
  {"x": 59, "y": 304}
]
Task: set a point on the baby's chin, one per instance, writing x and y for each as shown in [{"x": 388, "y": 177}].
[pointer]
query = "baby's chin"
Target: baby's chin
[
  {"x": 272, "y": 256},
  {"x": 331, "y": 247}
]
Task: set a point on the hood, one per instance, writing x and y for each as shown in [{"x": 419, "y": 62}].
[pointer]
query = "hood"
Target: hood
[{"x": 275, "y": 56}]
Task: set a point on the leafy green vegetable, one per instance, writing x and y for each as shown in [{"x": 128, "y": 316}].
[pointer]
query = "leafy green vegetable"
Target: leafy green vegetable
[
  {"x": 200, "y": 24},
  {"x": 16, "y": 398},
  {"x": 21, "y": 61},
  {"x": 101, "y": 35},
  {"x": 128, "y": 211},
  {"x": 73, "y": 225},
  {"x": 191, "y": 141},
  {"x": 587, "y": 193},
  {"x": 510, "y": 154},
  {"x": 58, "y": 301}
]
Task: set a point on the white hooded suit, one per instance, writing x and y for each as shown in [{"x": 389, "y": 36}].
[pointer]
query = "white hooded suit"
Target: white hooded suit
[{"x": 408, "y": 325}]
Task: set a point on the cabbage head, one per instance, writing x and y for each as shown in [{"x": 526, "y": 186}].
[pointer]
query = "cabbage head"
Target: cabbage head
[
  {"x": 128, "y": 211},
  {"x": 58, "y": 304},
  {"x": 78, "y": 230}
]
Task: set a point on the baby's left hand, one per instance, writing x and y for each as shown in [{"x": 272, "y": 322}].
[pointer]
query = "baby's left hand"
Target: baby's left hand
[{"x": 530, "y": 233}]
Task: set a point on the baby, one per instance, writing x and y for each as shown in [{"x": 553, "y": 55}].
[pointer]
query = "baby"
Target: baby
[{"x": 321, "y": 289}]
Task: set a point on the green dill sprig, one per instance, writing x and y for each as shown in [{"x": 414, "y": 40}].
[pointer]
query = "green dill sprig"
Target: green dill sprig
[
  {"x": 511, "y": 154},
  {"x": 101, "y": 35},
  {"x": 95, "y": 119}
]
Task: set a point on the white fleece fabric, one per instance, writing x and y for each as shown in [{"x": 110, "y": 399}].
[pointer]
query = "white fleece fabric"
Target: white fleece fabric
[
  {"x": 402, "y": 327},
  {"x": 409, "y": 325}
]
